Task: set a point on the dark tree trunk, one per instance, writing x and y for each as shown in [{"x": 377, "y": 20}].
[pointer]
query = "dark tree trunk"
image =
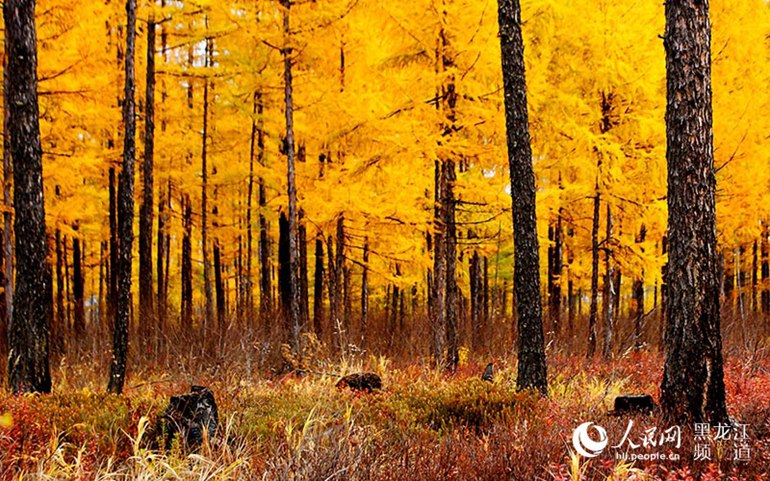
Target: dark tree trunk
[
  {"x": 339, "y": 328},
  {"x": 7, "y": 215},
  {"x": 754, "y": 276},
  {"x": 765, "y": 263},
  {"x": 608, "y": 297},
  {"x": 639, "y": 297},
  {"x": 112, "y": 295},
  {"x": 61, "y": 319},
  {"x": 304, "y": 289},
  {"x": 28, "y": 369},
  {"x": 693, "y": 388},
  {"x": 593, "y": 314},
  {"x": 318, "y": 288},
  {"x": 79, "y": 318},
  {"x": 284, "y": 270},
  {"x": 475, "y": 294},
  {"x": 438, "y": 293},
  {"x": 450, "y": 252},
  {"x": 208, "y": 316},
  {"x": 332, "y": 288},
  {"x": 162, "y": 246},
  {"x": 485, "y": 305},
  {"x": 265, "y": 286},
  {"x": 294, "y": 310},
  {"x": 219, "y": 287},
  {"x": 125, "y": 214},
  {"x": 365, "y": 295},
  {"x": 531, "y": 357},
  {"x": 187, "y": 288},
  {"x": 554, "y": 301},
  {"x": 146, "y": 311}
]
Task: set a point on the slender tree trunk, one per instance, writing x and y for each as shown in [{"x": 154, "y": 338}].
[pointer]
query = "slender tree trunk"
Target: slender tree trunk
[
  {"x": 639, "y": 297},
  {"x": 220, "y": 291},
  {"x": 125, "y": 214},
  {"x": 340, "y": 329},
  {"x": 365, "y": 295},
  {"x": 286, "y": 51},
  {"x": 79, "y": 319},
  {"x": 8, "y": 213},
  {"x": 162, "y": 246},
  {"x": 284, "y": 271},
  {"x": 765, "y": 292},
  {"x": 112, "y": 295},
  {"x": 608, "y": 301},
  {"x": 247, "y": 281},
  {"x": 146, "y": 311},
  {"x": 187, "y": 289},
  {"x": 439, "y": 268},
  {"x": 593, "y": 314},
  {"x": 754, "y": 276},
  {"x": 554, "y": 303},
  {"x": 332, "y": 289},
  {"x": 28, "y": 369},
  {"x": 58, "y": 331},
  {"x": 318, "y": 288},
  {"x": 304, "y": 291},
  {"x": 693, "y": 388},
  {"x": 531, "y": 357},
  {"x": 474, "y": 276},
  {"x": 207, "y": 287}
]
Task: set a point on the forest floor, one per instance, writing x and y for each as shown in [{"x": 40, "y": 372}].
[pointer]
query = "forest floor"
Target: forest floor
[{"x": 423, "y": 425}]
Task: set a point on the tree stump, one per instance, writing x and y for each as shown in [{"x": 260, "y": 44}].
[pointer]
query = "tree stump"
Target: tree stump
[
  {"x": 192, "y": 416},
  {"x": 362, "y": 381}
]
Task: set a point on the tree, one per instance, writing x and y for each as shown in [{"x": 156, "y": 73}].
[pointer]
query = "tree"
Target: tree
[
  {"x": 125, "y": 207},
  {"x": 28, "y": 369},
  {"x": 693, "y": 388},
  {"x": 146, "y": 207},
  {"x": 293, "y": 308},
  {"x": 531, "y": 345}
]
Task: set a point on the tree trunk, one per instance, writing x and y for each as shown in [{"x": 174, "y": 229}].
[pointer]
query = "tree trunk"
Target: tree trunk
[
  {"x": 693, "y": 388},
  {"x": 318, "y": 289},
  {"x": 765, "y": 292},
  {"x": 284, "y": 271},
  {"x": 60, "y": 317},
  {"x": 608, "y": 301},
  {"x": 639, "y": 297},
  {"x": 207, "y": 287},
  {"x": 531, "y": 357},
  {"x": 365, "y": 295},
  {"x": 593, "y": 314},
  {"x": 28, "y": 369},
  {"x": 439, "y": 268},
  {"x": 187, "y": 288},
  {"x": 219, "y": 287},
  {"x": 146, "y": 311},
  {"x": 112, "y": 290},
  {"x": 554, "y": 303},
  {"x": 339, "y": 327},
  {"x": 8, "y": 213},
  {"x": 450, "y": 253},
  {"x": 304, "y": 290},
  {"x": 286, "y": 52},
  {"x": 162, "y": 246},
  {"x": 125, "y": 214},
  {"x": 475, "y": 294},
  {"x": 79, "y": 318}
]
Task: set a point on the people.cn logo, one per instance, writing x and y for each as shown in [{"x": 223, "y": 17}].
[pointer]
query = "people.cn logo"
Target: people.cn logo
[{"x": 585, "y": 445}]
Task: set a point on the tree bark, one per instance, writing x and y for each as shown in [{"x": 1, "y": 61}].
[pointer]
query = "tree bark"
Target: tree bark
[
  {"x": 79, "y": 318},
  {"x": 608, "y": 301},
  {"x": 125, "y": 214},
  {"x": 8, "y": 213},
  {"x": 28, "y": 369},
  {"x": 531, "y": 344},
  {"x": 318, "y": 289},
  {"x": 286, "y": 52},
  {"x": 146, "y": 311},
  {"x": 365, "y": 295},
  {"x": 187, "y": 289},
  {"x": 207, "y": 287},
  {"x": 593, "y": 314},
  {"x": 693, "y": 388}
]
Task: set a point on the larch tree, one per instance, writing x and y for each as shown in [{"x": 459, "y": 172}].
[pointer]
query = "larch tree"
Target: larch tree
[
  {"x": 146, "y": 312},
  {"x": 125, "y": 206},
  {"x": 28, "y": 368},
  {"x": 531, "y": 345},
  {"x": 692, "y": 389}
]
